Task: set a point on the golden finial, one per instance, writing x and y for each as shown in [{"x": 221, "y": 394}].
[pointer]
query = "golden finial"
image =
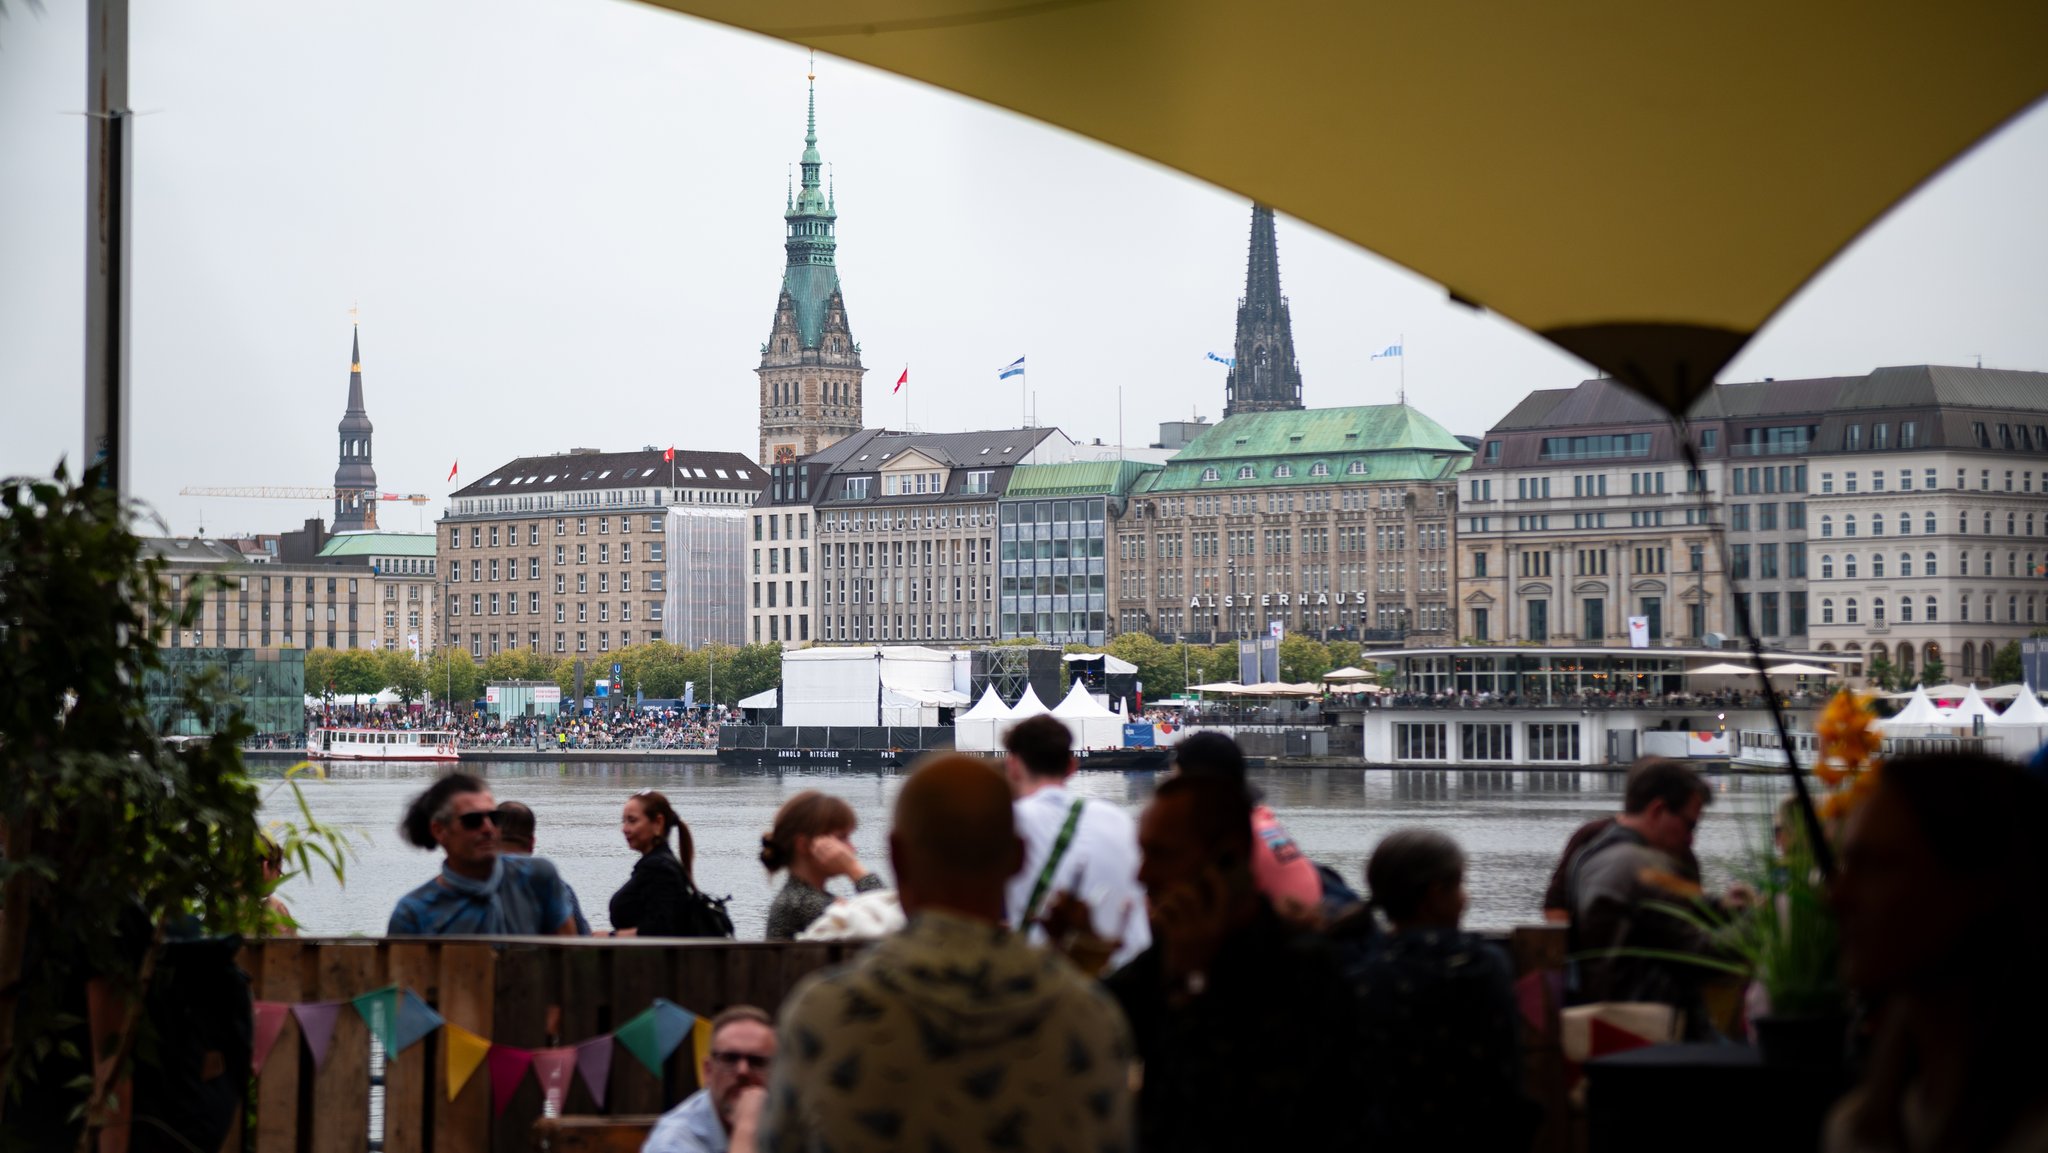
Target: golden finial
[
  {"x": 354, "y": 312},
  {"x": 813, "y": 73}
]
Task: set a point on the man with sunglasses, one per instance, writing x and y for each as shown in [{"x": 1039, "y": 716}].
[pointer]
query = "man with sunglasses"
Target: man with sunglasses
[
  {"x": 479, "y": 892},
  {"x": 723, "y": 1115}
]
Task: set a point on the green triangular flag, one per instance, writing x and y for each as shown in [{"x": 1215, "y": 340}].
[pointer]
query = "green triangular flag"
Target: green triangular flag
[
  {"x": 640, "y": 1039},
  {"x": 379, "y": 1010}
]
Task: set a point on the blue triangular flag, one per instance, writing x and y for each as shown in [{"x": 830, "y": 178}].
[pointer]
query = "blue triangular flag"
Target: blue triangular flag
[
  {"x": 672, "y": 1023},
  {"x": 415, "y": 1020}
]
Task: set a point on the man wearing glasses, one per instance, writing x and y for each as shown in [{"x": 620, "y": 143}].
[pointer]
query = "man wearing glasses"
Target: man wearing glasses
[
  {"x": 478, "y": 892},
  {"x": 723, "y": 1115}
]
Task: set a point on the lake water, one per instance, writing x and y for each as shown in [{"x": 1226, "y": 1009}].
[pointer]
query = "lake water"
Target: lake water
[{"x": 1512, "y": 825}]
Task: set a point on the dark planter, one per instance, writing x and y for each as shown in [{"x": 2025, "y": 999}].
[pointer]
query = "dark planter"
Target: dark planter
[{"x": 1803, "y": 1040}]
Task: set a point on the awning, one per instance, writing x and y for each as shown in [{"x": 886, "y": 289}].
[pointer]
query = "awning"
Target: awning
[
  {"x": 1795, "y": 669},
  {"x": 1644, "y": 185},
  {"x": 765, "y": 699}
]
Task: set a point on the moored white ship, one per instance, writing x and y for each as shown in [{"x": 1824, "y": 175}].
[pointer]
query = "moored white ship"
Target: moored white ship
[{"x": 347, "y": 744}]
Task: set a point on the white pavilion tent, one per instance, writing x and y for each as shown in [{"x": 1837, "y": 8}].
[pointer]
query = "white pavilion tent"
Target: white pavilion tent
[
  {"x": 1027, "y": 705},
  {"x": 1093, "y": 726},
  {"x": 974, "y": 731},
  {"x": 1919, "y": 714},
  {"x": 2024, "y": 725},
  {"x": 1973, "y": 706}
]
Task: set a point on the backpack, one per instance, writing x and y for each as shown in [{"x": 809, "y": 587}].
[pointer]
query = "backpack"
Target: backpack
[{"x": 704, "y": 916}]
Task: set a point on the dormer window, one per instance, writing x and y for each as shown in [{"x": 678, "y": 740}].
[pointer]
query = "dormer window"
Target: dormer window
[
  {"x": 1319, "y": 469},
  {"x": 1211, "y": 474},
  {"x": 1247, "y": 472},
  {"x": 1283, "y": 471},
  {"x": 1355, "y": 468}
]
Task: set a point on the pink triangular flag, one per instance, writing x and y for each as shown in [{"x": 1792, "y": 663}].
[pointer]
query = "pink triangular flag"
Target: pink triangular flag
[
  {"x": 594, "y": 1061},
  {"x": 270, "y": 1017},
  {"x": 508, "y": 1066},
  {"x": 316, "y": 1022},
  {"x": 553, "y": 1068}
]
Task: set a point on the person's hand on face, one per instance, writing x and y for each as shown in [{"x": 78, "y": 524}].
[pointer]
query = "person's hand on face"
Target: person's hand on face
[
  {"x": 1190, "y": 918},
  {"x": 736, "y": 1070},
  {"x": 836, "y": 857}
]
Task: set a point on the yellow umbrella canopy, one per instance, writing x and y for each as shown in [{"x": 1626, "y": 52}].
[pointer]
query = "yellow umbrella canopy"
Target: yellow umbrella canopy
[{"x": 1643, "y": 184}]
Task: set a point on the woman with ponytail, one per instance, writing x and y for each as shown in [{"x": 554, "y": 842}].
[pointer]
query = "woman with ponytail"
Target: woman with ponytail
[
  {"x": 661, "y": 897},
  {"x": 811, "y": 839}
]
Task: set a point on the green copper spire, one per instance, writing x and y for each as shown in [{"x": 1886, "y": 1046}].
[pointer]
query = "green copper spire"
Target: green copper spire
[{"x": 809, "y": 221}]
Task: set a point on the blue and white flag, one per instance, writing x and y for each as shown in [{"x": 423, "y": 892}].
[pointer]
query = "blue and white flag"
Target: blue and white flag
[
  {"x": 1229, "y": 361},
  {"x": 1392, "y": 350},
  {"x": 1014, "y": 368}
]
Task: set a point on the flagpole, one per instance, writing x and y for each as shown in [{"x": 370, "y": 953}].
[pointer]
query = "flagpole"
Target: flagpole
[
  {"x": 1404, "y": 368},
  {"x": 906, "y": 396}
]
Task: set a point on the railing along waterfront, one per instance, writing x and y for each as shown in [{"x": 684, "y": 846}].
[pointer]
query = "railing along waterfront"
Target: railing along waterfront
[{"x": 541, "y": 992}]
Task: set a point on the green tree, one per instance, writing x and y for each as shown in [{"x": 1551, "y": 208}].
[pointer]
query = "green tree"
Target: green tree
[
  {"x": 404, "y": 675},
  {"x": 1346, "y": 655},
  {"x": 747, "y": 670},
  {"x": 319, "y": 671},
  {"x": 1882, "y": 673},
  {"x": 515, "y": 665},
  {"x": 452, "y": 676},
  {"x": 107, "y": 829},
  {"x": 1933, "y": 672},
  {"x": 1159, "y": 664},
  {"x": 2006, "y": 667},
  {"x": 1303, "y": 658},
  {"x": 357, "y": 672}
]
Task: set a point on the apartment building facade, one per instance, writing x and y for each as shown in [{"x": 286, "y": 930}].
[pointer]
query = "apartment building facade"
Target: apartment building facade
[
  {"x": 1334, "y": 522},
  {"x": 1929, "y": 519},
  {"x": 568, "y": 553},
  {"x": 404, "y": 586},
  {"x": 265, "y": 604},
  {"x": 887, "y": 536}
]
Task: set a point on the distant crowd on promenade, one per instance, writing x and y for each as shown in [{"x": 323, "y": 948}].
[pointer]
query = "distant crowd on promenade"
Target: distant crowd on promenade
[
  {"x": 1035, "y": 949},
  {"x": 1609, "y": 699}
]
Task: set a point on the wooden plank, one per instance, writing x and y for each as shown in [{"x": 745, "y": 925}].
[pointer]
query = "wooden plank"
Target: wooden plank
[
  {"x": 639, "y": 975},
  {"x": 527, "y": 994},
  {"x": 467, "y": 988},
  {"x": 1540, "y": 949},
  {"x": 700, "y": 986},
  {"x": 277, "y": 1090},
  {"x": 408, "y": 1077},
  {"x": 341, "y": 1086},
  {"x": 586, "y": 1011}
]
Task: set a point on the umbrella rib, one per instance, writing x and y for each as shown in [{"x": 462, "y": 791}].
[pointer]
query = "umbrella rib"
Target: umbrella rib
[{"x": 929, "y": 23}]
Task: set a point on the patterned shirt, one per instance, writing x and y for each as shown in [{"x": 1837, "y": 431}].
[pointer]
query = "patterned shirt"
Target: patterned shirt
[
  {"x": 953, "y": 1034},
  {"x": 797, "y": 904}
]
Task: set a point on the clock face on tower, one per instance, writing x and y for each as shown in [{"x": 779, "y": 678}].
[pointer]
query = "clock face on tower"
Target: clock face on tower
[{"x": 785, "y": 454}]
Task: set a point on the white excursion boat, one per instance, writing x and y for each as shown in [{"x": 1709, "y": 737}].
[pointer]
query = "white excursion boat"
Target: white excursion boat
[{"x": 340, "y": 744}]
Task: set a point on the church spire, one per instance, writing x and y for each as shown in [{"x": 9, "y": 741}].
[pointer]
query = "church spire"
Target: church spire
[
  {"x": 1265, "y": 377},
  {"x": 355, "y": 476}
]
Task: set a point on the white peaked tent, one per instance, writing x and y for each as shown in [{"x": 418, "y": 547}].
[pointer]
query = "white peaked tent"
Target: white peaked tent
[
  {"x": 1093, "y": 726},
  {"x": 1919, "y": 713},
  {"x": 1972, "y": 706},
  {"x": 1027, "y": 705},
  {"x": 974, "y": 731},
  {"x": 2024, "y": 725}
]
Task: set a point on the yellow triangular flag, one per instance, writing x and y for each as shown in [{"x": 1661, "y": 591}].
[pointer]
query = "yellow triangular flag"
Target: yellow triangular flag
[
  {"x": 466, "y": 1051},
  {"x": 700, "y": 1043}
]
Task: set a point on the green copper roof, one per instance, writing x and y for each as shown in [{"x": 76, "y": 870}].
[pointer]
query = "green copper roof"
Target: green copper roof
[
  {"x": 809, "y": 220},
  {"x": 1377, "y": 443},
  {"x": 380, "y": 544},
  {"x": 1080, "y": 478}
]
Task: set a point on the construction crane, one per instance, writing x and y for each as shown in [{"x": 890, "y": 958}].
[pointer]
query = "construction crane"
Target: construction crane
[{"x": 287, "y": 492}]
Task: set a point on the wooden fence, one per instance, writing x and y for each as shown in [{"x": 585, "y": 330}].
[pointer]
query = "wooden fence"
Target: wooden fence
[
  {"x": 538, "y": 992},
  {"x": 511, "y": 990}
]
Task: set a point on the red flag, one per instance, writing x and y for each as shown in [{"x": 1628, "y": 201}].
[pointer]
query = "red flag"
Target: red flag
[
  {"x": 901, "y": 381},
  {"x": 452, "y": 469},
  {"x": 670, "y": 455}
]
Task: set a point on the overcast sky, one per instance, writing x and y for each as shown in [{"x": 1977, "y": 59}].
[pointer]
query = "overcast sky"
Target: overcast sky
[{"x": 561, "y": 220}]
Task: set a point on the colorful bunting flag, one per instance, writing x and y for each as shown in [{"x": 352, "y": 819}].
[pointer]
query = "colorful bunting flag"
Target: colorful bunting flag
[
  {"x": 554, "y": 1068},
  {"x": 594, "y": 1061},
  {"x": 270, "y": 1018},
  {"x": 655, "y": 1033},
  {"x": 466, "y": 1051},
  {"x": 700, "y": 1045},
  {"x": 415, "y": 1021},
  {"x": 379, "y": 1010},
  {"x": 508, "y": 1066},
  {"x": 316, "y": 1024}
]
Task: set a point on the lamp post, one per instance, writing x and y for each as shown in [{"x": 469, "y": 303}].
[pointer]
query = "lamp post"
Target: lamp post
[{"x": 1230, "y": 568}]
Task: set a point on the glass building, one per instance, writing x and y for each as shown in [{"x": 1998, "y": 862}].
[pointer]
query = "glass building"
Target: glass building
[
  {"x": 1054, "y": 572},
  {"x": 268, "y": 684}
]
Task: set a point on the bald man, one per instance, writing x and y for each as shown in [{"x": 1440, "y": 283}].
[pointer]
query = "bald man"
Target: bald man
[{"x": 954, "y": 1033}]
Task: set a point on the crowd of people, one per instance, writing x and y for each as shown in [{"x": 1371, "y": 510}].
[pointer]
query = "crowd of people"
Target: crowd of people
[{"x": 1068, "y": 977}]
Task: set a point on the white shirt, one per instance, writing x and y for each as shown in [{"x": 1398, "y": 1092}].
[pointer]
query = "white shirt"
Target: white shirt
[
  {"x": 1100, "y": 867},
  {"x": 691, "y": 1127}
]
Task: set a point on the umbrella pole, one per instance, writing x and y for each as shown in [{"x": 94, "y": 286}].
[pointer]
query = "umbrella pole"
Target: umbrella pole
[{"x": 1816, "y": 834}]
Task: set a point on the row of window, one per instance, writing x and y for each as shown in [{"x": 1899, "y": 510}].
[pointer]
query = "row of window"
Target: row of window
[
  {"x": 1284, "y": 471},
  {"x": 479, "y": 606},
  {"x": 511, "y": 532},
  {"x": 510, "y": 641},
  {"x": 1930, "y": 480},
  {"x": 2013, "y": 523}
]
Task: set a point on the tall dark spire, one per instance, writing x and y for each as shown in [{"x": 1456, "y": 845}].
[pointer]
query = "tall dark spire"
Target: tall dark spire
[
  {"x": 355, "y": 479},
  {"x": 1265, "y": 377}
]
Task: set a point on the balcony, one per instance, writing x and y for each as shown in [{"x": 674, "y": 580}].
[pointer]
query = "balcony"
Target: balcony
[{"x": 1780, "y": 448}]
